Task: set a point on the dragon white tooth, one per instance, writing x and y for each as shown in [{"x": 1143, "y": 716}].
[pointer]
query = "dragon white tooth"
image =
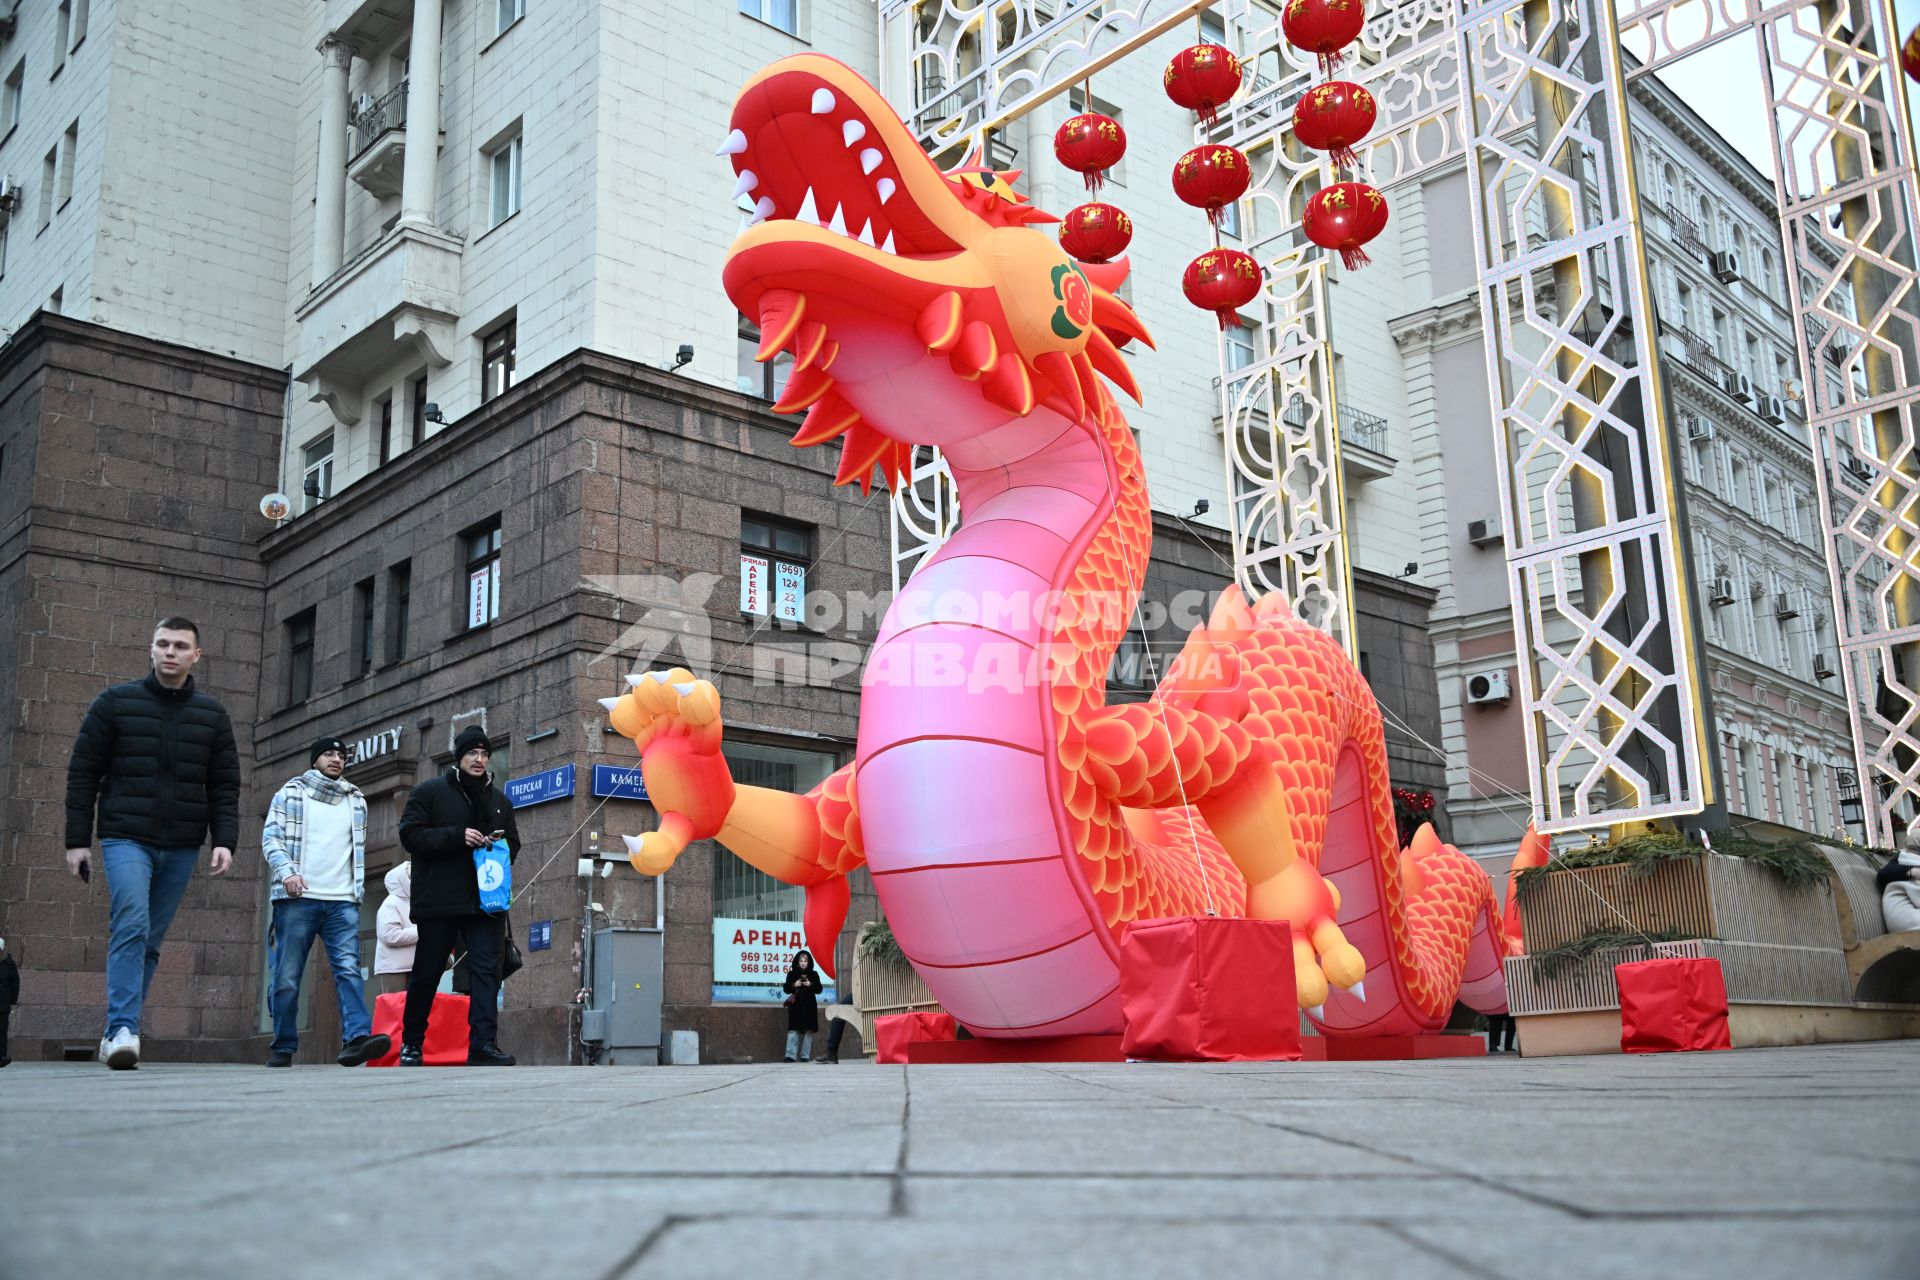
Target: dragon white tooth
[
  {"x": 748, "y": 181},
  {"x": 762, "y": 209},
  {"x": 1318, "y": 1011},
  {"x": 637, "y": 678},
  {"x": 633, "y": 843},
  {"x": 684, "y": 689},
  {"x": 736, "y": 143},
  {"x": 609, "y": 703},
  {"x": 1358, "y": 991},
  {"x": 853, "y": 131},
  {"x": 823, "y": 101},
  {"x": 870, "y": 160},
  {"x": 884, "y": 189},
  {"x": 838, "y": 222},
  {"x": 808, "y": 212},
  {"x": 658, "y": 677},
  {"x": 866, "y": 234},
  {"x": 886, "y": 246}
]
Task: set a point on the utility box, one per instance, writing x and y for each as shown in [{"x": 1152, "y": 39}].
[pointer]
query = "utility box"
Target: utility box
[{"x": 627, "y": 989}]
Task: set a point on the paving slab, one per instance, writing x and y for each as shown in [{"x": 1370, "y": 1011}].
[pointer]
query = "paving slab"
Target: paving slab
[{"x": 1753, "y": 1164}]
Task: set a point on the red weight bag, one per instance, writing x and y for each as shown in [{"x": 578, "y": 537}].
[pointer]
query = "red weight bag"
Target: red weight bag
[
  {"x": 893, "y": 1033},
  {"x": 446, "y": 1043},
  {"x": 1668, "y": 1006},
  {"x": 1209, "y": 989}
]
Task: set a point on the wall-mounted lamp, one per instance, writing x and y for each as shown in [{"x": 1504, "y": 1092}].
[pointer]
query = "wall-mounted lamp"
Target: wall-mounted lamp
[
  {"x": 682, "y": 357},
  {"x": 1413, "y": 567},
  {"x": 432, "y": 413},
  {"x": 1199, "y": 509}
]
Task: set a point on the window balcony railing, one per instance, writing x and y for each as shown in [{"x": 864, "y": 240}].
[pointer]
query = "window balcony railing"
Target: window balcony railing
[
  {"x": 1699, "y": 353},
  {"x": 1366, "y": 430},
  {"x": 1686, "y": 232},
  {"x": 376, "y": 118}
]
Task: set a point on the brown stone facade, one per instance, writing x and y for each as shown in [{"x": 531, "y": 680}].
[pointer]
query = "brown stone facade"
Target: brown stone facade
[
  {"x": 132, "y": 477},
  {"x": 133, "y": 472}
]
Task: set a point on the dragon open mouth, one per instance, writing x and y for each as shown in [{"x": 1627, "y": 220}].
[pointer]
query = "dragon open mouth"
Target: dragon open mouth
[{"x": 849, "y": 182}]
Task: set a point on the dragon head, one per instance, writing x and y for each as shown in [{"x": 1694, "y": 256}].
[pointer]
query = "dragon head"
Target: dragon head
[{"x": 920, "y": 306}]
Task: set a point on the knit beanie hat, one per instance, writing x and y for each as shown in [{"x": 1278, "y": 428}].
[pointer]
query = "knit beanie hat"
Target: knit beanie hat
[
  {"x": 327, "y": 744},
  {"x": 470, "y": 737}
]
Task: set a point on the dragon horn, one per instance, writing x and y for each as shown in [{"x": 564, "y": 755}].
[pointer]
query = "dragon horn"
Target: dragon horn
[
  {"x": 974, "y": 356},
  {"x": 1114, "y": 316},
  {"x": 1107, "y": 359},
  {"x": 1010, "y": 386},
  {"x": 828, "y": 418},
  {"x": 1057, "y": 368},
  {"x": 781, "y": 311},
  {"x": 862, "y": 449},
  {"x": 804, "y": 387},
  {"x": 810, "y": 337},
  {"x": 940, "y": 322}
]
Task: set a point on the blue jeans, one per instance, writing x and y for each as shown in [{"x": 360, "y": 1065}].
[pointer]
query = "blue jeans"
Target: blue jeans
[
  {"x": 295, "y": 922},
  {"x": 146, "y": 883}
]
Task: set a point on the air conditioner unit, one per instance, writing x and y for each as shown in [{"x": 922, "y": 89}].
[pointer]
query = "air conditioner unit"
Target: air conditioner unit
[
  {"x": 1738, "y": 385},
  {"x": 1722, "y": 593},
  {"x": 9, "y": 195},
  {"x": 363, "y": 104},
  {"x": 1489, "y": 687},
  {"x": 1485, "y": 532},
  {"x": 1772, "y": 409},
  {"x": 1700, "y": 429},
  {"x": 1821, "y": 669},
  {"x": 1726, "y": 265},
  {"x": 1783, "y": 606}
]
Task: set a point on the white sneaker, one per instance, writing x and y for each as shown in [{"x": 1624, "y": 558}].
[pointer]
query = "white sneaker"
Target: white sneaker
[{"x": 121, "y": 1050}]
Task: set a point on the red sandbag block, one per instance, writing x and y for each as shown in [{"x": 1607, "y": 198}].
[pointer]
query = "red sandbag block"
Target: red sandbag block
[
  {"x": 446, "y": 1043},
  {"x": 1209, "y": 989},
  {"x": 1669, "y": 1006},
  {"x": 893, "y": 1033}
]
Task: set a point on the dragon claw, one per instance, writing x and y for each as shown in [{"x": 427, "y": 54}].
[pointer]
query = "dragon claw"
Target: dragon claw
[
  {"x": 1318, "y": 1011},
  {"x": 652, "y": 853},
  {"x": 1358, "y": 991}
]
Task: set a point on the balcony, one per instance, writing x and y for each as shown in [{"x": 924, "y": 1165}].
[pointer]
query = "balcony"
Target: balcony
[
  {"x": 1363, "y": 445},
  {"x": 1698, "y": 352},
  {"x": 1686, "y": 232},
  {"x": 377, "y": 150},
  {"x": 400, "y": 294},
  {"x": 369, "y": 24}
]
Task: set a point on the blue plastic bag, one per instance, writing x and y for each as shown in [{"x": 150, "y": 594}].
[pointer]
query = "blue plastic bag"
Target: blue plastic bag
[{"x": 494, "y": 871}]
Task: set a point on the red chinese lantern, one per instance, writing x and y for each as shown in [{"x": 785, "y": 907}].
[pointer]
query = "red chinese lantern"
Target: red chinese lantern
[
  {"x": 1332, "y": 117},
  {"x": 1222, "y": 281},
  {"x": 1090, "y": 144},
  {"x": 1344, "y": 217},
  {"x": 1324, "y": 27},
  {"x": 1096, "y": 232},
  {"x": 1910, "y": 54},
  {"x": 1210, "y": 177},
  {"x": 1203, "y": 78}
]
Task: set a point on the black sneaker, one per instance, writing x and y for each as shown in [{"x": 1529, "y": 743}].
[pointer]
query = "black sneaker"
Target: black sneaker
[
  {"x": 488, "y": 1055},
  {"x": 279, "y": 1059},
  {"x": 363, "y": 1049},
  {"x": 410, "y": 1056}
]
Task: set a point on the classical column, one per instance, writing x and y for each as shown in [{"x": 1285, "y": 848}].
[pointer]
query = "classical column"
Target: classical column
[
  {"x": 330, "y": 200},
  {"x": 419, "y": 181}
]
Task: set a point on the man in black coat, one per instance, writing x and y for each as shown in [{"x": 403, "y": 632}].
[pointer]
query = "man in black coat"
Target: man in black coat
[
  {"x": 9, "y": 996},
  {"x": 157, "y": 758},
  {"x": 446, "y": 819}
]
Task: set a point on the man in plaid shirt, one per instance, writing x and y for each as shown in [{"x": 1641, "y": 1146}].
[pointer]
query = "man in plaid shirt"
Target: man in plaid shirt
[{"x": 315, "y": 841}]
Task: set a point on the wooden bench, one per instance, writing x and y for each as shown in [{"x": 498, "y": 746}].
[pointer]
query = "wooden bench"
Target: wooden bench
[{"x": 1884, "y": 967}]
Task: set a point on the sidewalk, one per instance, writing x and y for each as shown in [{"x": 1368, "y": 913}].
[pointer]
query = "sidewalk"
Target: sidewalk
[{"x": 1761, "y": 1163}]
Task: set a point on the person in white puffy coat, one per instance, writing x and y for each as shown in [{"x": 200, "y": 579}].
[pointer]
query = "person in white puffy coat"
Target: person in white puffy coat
[{"x": 394, "y": 932}]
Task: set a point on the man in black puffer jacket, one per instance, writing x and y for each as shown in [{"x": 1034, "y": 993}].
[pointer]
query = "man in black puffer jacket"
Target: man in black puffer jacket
[
  {"x": 157, "y": 759},
  {"x": 446, "y": 819}
]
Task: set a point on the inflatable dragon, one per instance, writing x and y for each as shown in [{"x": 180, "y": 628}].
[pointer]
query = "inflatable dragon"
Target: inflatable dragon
[{"x": 1013, "y": 820}]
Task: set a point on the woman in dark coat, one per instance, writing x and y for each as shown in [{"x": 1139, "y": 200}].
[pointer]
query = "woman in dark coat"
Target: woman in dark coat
[{"x": 803, "y": 1007}]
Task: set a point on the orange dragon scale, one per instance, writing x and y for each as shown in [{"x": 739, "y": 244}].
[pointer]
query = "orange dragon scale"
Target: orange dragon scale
[{"x": 1013, "y": 820}]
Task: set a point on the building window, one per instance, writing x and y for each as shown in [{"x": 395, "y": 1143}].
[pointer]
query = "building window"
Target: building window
[
  {"x": 769, "y": 380},
  {"x": 386, "y": 430},
  {"x": 481, "y": 547},
  {"x": 496, "y": 362},
  {"x": 299, "y": 658},
  {"x": 417, "y": 410},
  {"x": 363, "y": 626},
  {"x": 62, "y": 32},
  {"x": 399, "y": 607},
  {"x": 316, "y": 472},
  {"x": 503, "y": 181},
  {"x": 784, "y": 14},
  {"x": 79, "y": 22},
  {"x": 743, "y": 894},
  {"x": 774, "y": 557},
  {"x": 48, "y": 168},
  {"x": 507, "y": 13},
  {"x": 10, "y": 97},
  {"x": 69, "y": 145}
]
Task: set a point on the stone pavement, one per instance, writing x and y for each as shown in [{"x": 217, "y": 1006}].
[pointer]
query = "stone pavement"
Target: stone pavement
[{"x": 1759, "y": 1163}]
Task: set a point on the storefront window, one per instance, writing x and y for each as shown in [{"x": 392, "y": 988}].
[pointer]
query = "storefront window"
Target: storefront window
[{"x": 756, "y": 919}]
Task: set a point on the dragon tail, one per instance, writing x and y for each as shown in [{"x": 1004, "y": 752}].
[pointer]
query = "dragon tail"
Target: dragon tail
[
  {"x": 825, "y": 913},
  {"x": 1533, "y": 852}
]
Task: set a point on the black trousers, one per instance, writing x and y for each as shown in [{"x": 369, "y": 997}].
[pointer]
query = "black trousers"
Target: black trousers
[
  {"x": 1500, "y": 1031},
  {"x": 479, "y": 936},
  {"x": 5, "y": 1014}
]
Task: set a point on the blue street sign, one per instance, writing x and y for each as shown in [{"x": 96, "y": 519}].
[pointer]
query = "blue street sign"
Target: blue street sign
[
  {"x": 540, "y": 935},
  {"x": 538, "y": 788},
  {"x": 622, "y": 782}
]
